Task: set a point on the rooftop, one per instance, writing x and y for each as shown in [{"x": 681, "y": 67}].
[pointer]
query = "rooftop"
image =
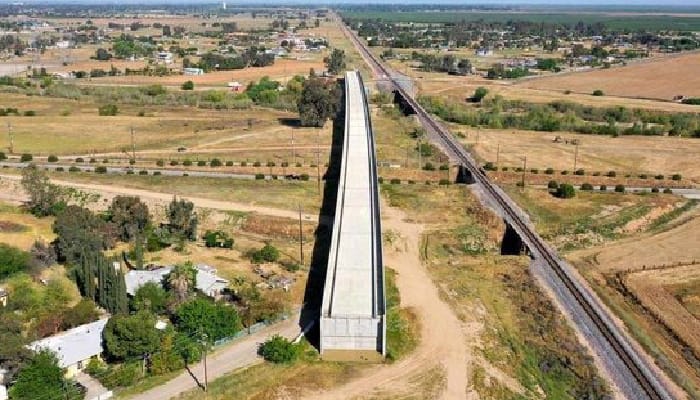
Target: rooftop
[{"x": 74, "y": 345}]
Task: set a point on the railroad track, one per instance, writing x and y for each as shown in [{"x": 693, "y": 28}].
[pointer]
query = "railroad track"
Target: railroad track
[{"x": 646, "y": 381}]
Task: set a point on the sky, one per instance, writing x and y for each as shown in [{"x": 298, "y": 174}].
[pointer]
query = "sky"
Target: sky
[{"x": 655, "y": 3}]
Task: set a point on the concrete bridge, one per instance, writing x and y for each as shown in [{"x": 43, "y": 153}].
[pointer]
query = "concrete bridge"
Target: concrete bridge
[{"x": 352, "y": 321}]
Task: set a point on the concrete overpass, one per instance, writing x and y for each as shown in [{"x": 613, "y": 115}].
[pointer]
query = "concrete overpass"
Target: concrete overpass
[{"x": 352, "y": 321}]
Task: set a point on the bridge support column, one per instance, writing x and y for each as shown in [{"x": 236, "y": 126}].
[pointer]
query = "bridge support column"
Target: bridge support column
[{"x": 512, "y": 244}]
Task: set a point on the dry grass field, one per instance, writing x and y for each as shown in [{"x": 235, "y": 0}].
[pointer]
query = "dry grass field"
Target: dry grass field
[
  {"x": 20, "y": 229},
  {"x": 658, "y": 79},
  {"x": 625, "y": 154}
]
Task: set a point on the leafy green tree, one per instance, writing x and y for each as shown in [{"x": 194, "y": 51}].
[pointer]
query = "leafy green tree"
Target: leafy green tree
[
  {"x": 45, "y": 198},
  {"x": 188, "y": 85},
  {"x": 318, "y": 102},
  {"x": 182, "y": 219},
  {"x": 204, "y": 317},
  {"x": 267, "y": 253},
  {"x": 82, "y": 313},
  {"x": 12, "y": 260},
  {"x": 279, "y": 350},
  {"x": 168, "y": 358},
  {"x": 565, "y": 191},
  {"x": 181, "y": 281},
  {"x": 80, "y": 232},
  {"x": 13, "y": 352},
  {"x": 129, "y": 337},
  {"x": 335, "y": 63},
  {"x": 42, "y": 378},
  {"x": 130, "y": 216},
  {"x": 150, "y": 297},
  {"x": 479, "y": 94}
]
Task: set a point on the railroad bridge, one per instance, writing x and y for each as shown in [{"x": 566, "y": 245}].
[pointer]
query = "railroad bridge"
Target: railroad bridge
[{"x": 352, "y": 321}]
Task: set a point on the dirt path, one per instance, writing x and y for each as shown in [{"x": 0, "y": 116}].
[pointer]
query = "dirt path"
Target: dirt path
[
  {"x": 109, "y": 191},
  {"x": 443, "y": 341}
]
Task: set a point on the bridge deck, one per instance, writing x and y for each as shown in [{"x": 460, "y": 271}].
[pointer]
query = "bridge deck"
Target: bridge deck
[{"x": 353, "y": 300}]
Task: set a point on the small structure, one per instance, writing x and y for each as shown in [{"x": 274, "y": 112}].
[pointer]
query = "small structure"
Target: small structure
[
  {"x": 192, "y": 71},
  {"x": 3, "y": 389},
  {"x": 208, "y": 282},
  {"x": 164, "y": 57},
  {"x": 135, "y": 278},
  {"x": 75, "y": 347},
  {"x": 484, "y": 52},
  {"x": 236, "y": 86},
  {"x": 3, "y": 297}
]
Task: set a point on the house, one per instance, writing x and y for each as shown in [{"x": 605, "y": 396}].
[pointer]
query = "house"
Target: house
[
  {"x": 164, "y": 57},
  {"x": 192, "y": 71},
  {"x": 235, "y": 86},
  {"x": 75, "y": 347},
  {"x": 484, "y": 52},
  {"x": 208, "y": 282}
]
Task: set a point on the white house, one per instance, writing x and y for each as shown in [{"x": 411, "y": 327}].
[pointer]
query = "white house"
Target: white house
[
  {"x": 75, "y": 347},
  {"x": 192, "y": 71},
  {"x": 164, "y": 57},
  {"x": 208, "y": 282}
]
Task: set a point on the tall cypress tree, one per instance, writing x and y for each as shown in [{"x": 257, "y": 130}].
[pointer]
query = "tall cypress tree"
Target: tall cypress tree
[{"x": 122, "y": 302}]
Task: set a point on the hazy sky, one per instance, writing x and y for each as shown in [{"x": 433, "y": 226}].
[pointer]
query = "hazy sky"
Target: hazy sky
[{"x": 655, "y": 3}]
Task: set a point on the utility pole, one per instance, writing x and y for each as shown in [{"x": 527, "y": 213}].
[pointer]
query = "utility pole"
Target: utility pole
[
  {"x": 133, "y": 145},
  {"x": 420, "y": 162},
  {"x": 318, "y": 161},
  {"x": 206, "y": 376},
  {"x": 522, "y": 182},
  {"x": 294, "y": 153},
  {"x": 11, "y": 138},
  {"x": 498, "y": 153},
  {"x": 575, "y": 157},
  {"x": 301, "y": 239}
]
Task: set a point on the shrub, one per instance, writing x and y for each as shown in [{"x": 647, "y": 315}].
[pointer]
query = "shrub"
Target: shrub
[
  {"x": 444, "y": 182},
  {"x": 160, "y": 163},
  {"x": 565, "y": 172},
  {"x": 659, "y": 177},
  {"x": 428, "y": 167},
  {"x": 93, "y": 160},
  {"x": 73, "y": 168},
  {"x": 304, "y": 177},
  {"x": 565, "y": 191},
  {"x": 597, "y": 173},
  {"x": 655, "y": 190},
  {"x": 215, "y": 162},
  {"x": 411, "y": 182},
  {"x": 549, "y": 171},
  {"x": 187, "y": 163},
  {"x": 489, "y": 166},
  {"x": 292, "y": 267},
  {"x": 611, "y": 174},
  {"x": 188, "y": 85},
  {"x": 598, "y": 92},
  {"x": 580, "y": 172},
  {"x": 603, "y": 188},
  {"x": 174, "y": 163},
  {"x": 279, "y": 350},
  {"x": 108, "y": 110},
  {"x": 229, "y": 163},
  {"x": 668, "y": 191},
  {"x": 26, "y": 157},
  {"x": 444, "y": 167},
  {"x": 285, "y": 164},
  {"x": 519, "y": 169},
  {"x": 259, "y": 177},
  {"x": 426, "y": 182},
  {"x": 101, "y": 169},
  {"x": 52, "y": 158},
  {"x": 552, "y": 185},
  {"x": 298, "y": 165},
  {"x": 274, "y": 177},
  {"x": 504, "y": 169},
  {"x": 586, "y": 186},
  {"x": 676, "y": 177},
  {"x": 256, "y": 164},
  {"x": 380, "y": 180},
  {"x": 395, "y": 181},
  {"x": 201, "y": 163},
  {"x": 30, "y": 113},
  {"x": 267, "y": 253},
  {"x": 2, "y": 156},
  {"x": 244, "y": 164},
  {"x": 142, "y": 113},
  {"x": 143, "y": 172},
  {"x": 130, "y": 172},
  {"x": 59, "y": 169},
  {"x": 535, "y": 171},
  {"x": 132, "y": 161},
  {"x": 156, "y": 173},
  {"x": 620, "y": 188},
  {"x": 270, "y": 163},
  {"x": 643, "y": 176},
  {"x": 105, "y": 161}
]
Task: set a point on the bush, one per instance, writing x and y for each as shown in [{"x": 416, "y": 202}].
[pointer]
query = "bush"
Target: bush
[
  {"x": 132, "y": 161},
  {"x": 444, "y": 167},
  {"x": 668, "y": 191},
  {"x": 105, "y": 161},
  {"x": 188, "y": 85},
  {"x": 603, "y": 188},
  {"x": 291, "y": 267},
  {"x": 597, "y": 173},
  {"x": 659, "y": 177},
  {"x": 155, "y": 173},
  {"x": 643, "y": 176},
  {"x": 534, "y": 171},
  {"x": 380, "y": 180},
  {"x": 304, "y": 177},
  {"x": 244, "y": 164},
  {"x": 256, "y": 164},
  {"x": 26, "y": 157},
  {"x": 428, "y": 167},
  {"x": 174, "y": 163},
  {"x": 565, "y": 172},
  {"x": 279, "y": 350},
  {"x": 549, "y": 171},
  {"x": 130, "y": 172},
  {"x": 160, "y": 163},
  {"x": 30, "y": 113},
  {"x": 611, "y": 174},
  {"x": 580, "y": 172},
  {"x": 565, "y": 191},
  {"x": 259, "y": 177},
  {"x": 586, "y": 186},
  {"x": 489, "y": 166},
  {"x": 59, "y": 169},
  {"x": 93, "y": 160},
  {"x": 143, "y": 172},
  {"x": 676, "y": 177},
  {"x": 187, "y": 163},
  {"x": 215, "y": 162},
  {"x": 444, "y": 182},
  {"x": 229, "y": 163},
  {"x": 298, "y": 165},
  {"x": 286, "y": 164},
  {"x": 552, "y": 185},
  {"x": 270, "y": 163},
  {"x": 267, "y": 253},
  {"x": 101, "y": 169},
  {"x": 598, "y": 92},
  {"x": 395, "y": 181},
  {"x": 52, "y": 158},
  {"x": 201, "y": 163},
  {"x": 620, "y": 188},
  {"x": 2, "y": 156},
  {"x": 655, "y": 190},
  {"x": 519, "y": 169},
  {"x": 73, "y": 168},
  {"x": 108, "y": 110},
  {"x": 411, "y": 182},
  {"x": 504, "y": 169}
]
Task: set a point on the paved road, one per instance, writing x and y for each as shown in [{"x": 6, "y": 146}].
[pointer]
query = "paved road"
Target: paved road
[{"x": 242, "y": 353}]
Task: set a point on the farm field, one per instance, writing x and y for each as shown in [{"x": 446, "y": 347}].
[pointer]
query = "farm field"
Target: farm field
[
  {"x": 671, "y": 76},
  {"x": 625, "y": 154}
]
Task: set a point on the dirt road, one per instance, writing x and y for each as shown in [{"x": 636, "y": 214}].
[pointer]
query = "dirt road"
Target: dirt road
[
  {"x": 443, "y": 338},
  {"x": 109, "y": 191}
]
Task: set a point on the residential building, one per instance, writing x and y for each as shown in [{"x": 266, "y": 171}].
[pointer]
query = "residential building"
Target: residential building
[
  {"x": 193, "y": 71},
  {"x": 75, "y": 347},
  {"x": 208, "y": 282}
]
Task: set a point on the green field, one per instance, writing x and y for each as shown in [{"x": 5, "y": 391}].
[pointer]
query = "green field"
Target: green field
[{"x": 631, "y": 22}]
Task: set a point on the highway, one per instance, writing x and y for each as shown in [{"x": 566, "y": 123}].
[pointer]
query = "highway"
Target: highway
[
  {"x": 353, "y": 311},
  {"x": 624, "y": 364}
]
